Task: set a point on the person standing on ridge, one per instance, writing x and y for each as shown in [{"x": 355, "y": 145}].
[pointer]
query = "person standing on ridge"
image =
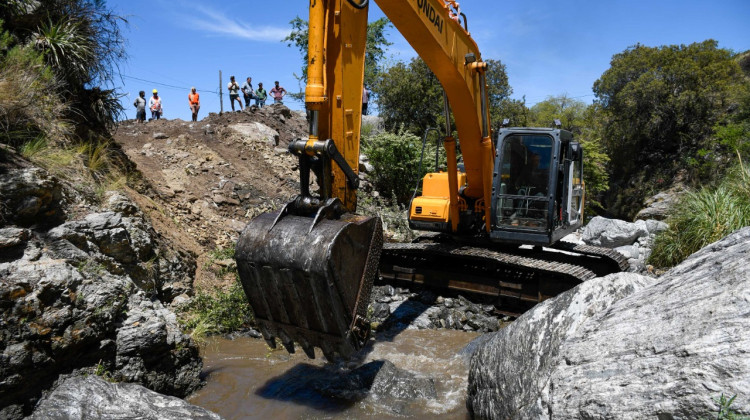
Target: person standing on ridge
[
  {"x": 140, "y": 107},
  {"x": 234, "y": 93},
  {"x": 195, "y": 103},
  {"x": 247, "y": 91},
  {"x": 154, "y": 104},
  {"x": 278, "y": 93},
  {"x": 365, "y": 99},
  {"x": 260, "y": 96}
]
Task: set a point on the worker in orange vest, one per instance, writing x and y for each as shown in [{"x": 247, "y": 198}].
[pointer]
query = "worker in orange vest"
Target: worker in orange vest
[{"x": 195, "y": 103}]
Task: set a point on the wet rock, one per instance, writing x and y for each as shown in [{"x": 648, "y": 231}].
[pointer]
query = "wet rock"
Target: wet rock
[
  {"x": 380, "y": 310},
  {"x": 380, "y": 381},
  {"x": 30, "y": 196},
  {"x": 92, "y": 398},
  {"x": 662, "y": 351},
  {"x": 150, "y": 346}
]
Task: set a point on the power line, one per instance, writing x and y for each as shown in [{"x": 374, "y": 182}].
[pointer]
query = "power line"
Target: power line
[{"x": 167, "y": 85}]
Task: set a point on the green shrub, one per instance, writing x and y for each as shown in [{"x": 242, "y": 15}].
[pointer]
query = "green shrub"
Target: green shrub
[
  {"x": 703, "y": 217},
  {"x": 725, "y": 409},
  {"x": 395, "y": 158},
  {"x": 217, "y": 311}
]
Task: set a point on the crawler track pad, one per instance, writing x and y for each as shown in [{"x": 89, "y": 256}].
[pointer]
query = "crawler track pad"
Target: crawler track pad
[{"x": 311, "y": 287}]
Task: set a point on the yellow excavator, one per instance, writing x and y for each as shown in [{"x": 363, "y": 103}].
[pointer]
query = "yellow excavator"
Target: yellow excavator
[{"x": 308, "y": 269}]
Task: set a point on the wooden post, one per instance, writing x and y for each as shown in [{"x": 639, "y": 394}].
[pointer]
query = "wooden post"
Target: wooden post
[{"x": 221, "y": 95}]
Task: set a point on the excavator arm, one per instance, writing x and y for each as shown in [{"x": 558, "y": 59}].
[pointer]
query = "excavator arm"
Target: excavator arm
[{"x": 308, "y": 268}]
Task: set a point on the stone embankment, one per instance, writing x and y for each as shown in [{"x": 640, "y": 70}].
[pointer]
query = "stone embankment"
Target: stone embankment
[
  {"x": 82, "y": 288},
  {"x": 626, "y": 346}
]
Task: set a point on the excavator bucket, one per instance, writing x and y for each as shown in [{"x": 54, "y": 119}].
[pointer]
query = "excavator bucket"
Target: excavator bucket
[{"x": 310, "y": 283}]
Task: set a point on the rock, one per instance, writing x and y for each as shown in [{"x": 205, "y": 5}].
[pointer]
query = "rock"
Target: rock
[
  {"x": 504, "y": 382},
  {"x": 118, "y": 202},
  {"x": 30, "y": 196},
  {"x": 663, "y": 351},
  {"x": 612, "y": 233},
  {"x": 12, "y": 236},
  {"x": 658, "y": 206},
  {"x": 380, "y": 310},
  {"x": 92, "y": 398},
  {"x": 255, "y": 132},
  {"x": 158, "y": 136},
  {"x": 149, "y": 346},
  {"x": 67, "y": 291}
]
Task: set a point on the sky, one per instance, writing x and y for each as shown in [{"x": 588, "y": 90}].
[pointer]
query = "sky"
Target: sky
[{"x": 549, "y": 47}]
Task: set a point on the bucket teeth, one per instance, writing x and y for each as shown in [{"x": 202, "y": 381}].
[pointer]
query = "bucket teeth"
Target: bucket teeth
[
  {"x": 307, "y": 348},
  {"x": 270, "y": 339},
  {"x": 286, "y": 341},
  {"x": 329, "y": 352}
]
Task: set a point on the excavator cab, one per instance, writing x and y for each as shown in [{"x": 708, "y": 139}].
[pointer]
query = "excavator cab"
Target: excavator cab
[{"x": 538, "y": 193}]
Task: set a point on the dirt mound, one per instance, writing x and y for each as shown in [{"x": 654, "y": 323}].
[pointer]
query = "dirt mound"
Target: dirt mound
[{"x": 209, "y": 178}]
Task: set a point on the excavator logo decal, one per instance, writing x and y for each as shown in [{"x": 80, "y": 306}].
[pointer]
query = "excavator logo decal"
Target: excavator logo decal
[{"x": 431, "y": 14}]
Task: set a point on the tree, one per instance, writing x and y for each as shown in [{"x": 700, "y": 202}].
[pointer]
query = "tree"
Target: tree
[
  {"x": 659, "y": 107},
  {"x": 374, "y": 51},
  {"x": 411, "y": 96},
  {"x": 569, "y": 111}
]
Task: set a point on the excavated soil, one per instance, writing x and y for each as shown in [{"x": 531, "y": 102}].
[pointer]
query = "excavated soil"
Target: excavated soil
[{"x": 205, "y": 180}]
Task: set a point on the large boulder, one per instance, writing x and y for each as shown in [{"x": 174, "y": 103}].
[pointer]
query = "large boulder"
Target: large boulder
[
  {"x": 510, "y": 372},
  {"x": 92, "y": 398},
  {"x": 665, "y": 351}
]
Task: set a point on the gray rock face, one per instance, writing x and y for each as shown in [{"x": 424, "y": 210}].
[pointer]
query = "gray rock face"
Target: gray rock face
[
  {"x": 665, "y": 351},
  {"x": 92, "y": 398},
  {"x": 152, "y": 350},
  {"x": 83, "y": 294},
  {"x": 30, "y": 196},
  {"x": 510, "y": 373}
]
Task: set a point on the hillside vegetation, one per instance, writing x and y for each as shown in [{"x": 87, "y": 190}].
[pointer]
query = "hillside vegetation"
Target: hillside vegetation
[{"x": 58, "y": 60}]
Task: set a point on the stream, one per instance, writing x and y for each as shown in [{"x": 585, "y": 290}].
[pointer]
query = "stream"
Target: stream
[{"x": 247, "y": 380}]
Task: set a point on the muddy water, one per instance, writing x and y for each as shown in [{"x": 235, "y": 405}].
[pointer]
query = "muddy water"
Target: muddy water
[{"x": 246, "y": 380}]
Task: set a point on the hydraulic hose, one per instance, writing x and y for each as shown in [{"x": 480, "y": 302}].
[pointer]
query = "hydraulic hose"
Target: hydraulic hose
[
  {"x": 421, "y": 160},
  {"x": 360, "y": 6}
]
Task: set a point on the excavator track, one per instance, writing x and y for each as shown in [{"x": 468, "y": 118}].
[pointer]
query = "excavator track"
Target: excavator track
[
  {"x": 610, "y": 255},
  {"x": 513, "y": 281}
]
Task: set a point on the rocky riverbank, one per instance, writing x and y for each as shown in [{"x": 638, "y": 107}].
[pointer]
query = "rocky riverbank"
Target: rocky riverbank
[{"x": 83, "y": 289}]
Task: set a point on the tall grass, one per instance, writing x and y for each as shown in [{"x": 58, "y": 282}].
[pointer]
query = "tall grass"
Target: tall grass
[{"x": 703, "y": 217}]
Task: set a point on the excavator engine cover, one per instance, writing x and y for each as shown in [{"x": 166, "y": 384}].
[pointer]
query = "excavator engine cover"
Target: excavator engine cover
[{"x": 311, "y": 285}]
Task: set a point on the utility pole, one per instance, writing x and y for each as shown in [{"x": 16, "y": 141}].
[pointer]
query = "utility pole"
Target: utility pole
[{"x": 221, "y": 95}]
